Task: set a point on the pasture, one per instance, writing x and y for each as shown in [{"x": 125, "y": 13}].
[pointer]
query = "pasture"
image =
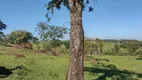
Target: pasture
[{"x": 46, "y": 67}]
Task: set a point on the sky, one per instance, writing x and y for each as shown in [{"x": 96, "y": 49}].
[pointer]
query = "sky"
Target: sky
[{"x": 111, "y": 19}]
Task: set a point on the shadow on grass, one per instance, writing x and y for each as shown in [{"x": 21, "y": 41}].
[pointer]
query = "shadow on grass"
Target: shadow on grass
[
  {"x": 114, "y": 74},
  {"x": 5, "y": 72},
  {"x": 140, "y": 58}
]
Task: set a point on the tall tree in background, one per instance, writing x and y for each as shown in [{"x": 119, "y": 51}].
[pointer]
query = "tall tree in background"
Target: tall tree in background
[
  {"x": 76, "y": 61},
  {"x": 100, "y": 44},
  {"x": 50, "y": 32},
  {"x": 2, "y": 26},
  {"x": 19, "y": 37}
]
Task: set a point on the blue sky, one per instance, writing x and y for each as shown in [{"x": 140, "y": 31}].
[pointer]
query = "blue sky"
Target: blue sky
[{"x": 111, "y": 19}]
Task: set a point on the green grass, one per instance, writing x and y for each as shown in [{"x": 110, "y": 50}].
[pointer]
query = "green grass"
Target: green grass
[
  {"x": 108, "y": 45},
  {"x": 46, "y": 67}
]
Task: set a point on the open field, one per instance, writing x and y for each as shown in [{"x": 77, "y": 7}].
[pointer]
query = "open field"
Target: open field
[
  {"x": 46, "y": 67},
  {"x": 108, "y": 45}
]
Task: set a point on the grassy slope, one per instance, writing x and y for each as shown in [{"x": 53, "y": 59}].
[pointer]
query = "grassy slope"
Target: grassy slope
[{"x": 45, "y": 67}]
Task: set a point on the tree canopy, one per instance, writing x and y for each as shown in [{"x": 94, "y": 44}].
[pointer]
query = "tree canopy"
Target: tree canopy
[
  {"x": 57, "y": 4},
  {"x": 51, "y": 32},
  {"x": 19, "y": 36},
  {"x": 2, "y": 26}
]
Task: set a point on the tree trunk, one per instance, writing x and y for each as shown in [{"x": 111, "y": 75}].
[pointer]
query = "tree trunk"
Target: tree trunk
[{"x": 76, "y": 62}]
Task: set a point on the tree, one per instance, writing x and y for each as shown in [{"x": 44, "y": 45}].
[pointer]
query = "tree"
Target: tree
[
  {"x": 90, "y": 47},
  {"x": 100, "y": 44},
  {"x": 51, "y": 35},
  {"x": 19, "y": 36},
  {"x": 116, "y": 48},
  {"x": 2, "y": 26},
  {"x": 35, "y": 40},
  {"x": 76, "y": 61},
  {"x": 50, "y": 32},
  {"x": 131, "y": 46}
]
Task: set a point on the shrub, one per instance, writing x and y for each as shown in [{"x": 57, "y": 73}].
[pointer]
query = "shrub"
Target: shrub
[
  {"x": 66, "y": 44},
  {"x": 109, "y": 52},
  {"x": 19, "y": 36},
  {"x": 48, "y": 46},
  {"x": 27, "y": 45},
  {"x": 139, "y": 53}
]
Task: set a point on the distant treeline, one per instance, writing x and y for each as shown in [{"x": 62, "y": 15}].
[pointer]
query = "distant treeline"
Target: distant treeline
[
  {"x": 120, "y": 40},
  {"x": 113, "y": 40}
]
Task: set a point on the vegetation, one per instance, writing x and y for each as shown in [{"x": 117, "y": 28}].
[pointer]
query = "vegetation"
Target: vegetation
[
  {"x": 50, "y": 36},
  {"x": 50, "y": 32},
  {"x": 27, "y": 57},
  {"x": 2, "y": 26},
  {"x": 54, "y": 68},
  {"x": 19, "y": 37},
  {"x": 76, "y": 64},
  {"x": 35, "y": 40}
]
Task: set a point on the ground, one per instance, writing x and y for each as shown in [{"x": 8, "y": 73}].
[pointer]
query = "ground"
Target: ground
[{"x": 46, "y": 67}]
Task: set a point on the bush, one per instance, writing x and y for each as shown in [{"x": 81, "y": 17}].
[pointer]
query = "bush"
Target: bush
[
  {"x": 49, "y": 45},
  {"x": 19, "y": 36},
  {"x": 3, "y": 43},
  {"x": 27, "y": 45},
  {"x": 139, "y": 53},
  {"x": 64, "y": 49},
  {"x": 109, "y": 52},
  {"x": 66, "y": 44},
  {"x": 46, "y": 46}
]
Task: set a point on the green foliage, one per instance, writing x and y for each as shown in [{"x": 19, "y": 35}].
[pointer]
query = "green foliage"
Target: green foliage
[
  {"x": 47, "y": 32},
  {"x": 3, "y": 40},
  {"x": 51, "y": 35},
  {"x": 2, "y": 26},
  {"x": 19, "y": 36},
  {"x": 93, "y": 46},
  {"x": 46, "y": 67},
  {"x": 100, "y": 44},
  {"x": 66, "y": 43},
  {"x": 57, "y": 4},
  {"x": 139, "y": 53},
  {"x": 35, "y": 40},
  {"x": 116, "y": 48},
  {"x": 132, "y": 47},
  {"x": 90, "y": 47},
  {"x": 49, "y": 45},
  {"x": 109, "y": 52}
]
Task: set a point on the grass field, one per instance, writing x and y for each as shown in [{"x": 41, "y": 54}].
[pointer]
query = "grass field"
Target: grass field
[
  {"x": 46, "y": 67},
  {"x": 108, "y": 45}
]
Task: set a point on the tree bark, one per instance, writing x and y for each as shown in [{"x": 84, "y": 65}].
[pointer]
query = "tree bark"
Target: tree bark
[{"x": 76, "y": 61}]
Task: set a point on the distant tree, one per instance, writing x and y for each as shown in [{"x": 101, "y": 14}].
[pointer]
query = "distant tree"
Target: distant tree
[
  {"x": 90, "y": 47},
  {"x": 131, "y": 46},
  {"x": 50, "y": 32},
  {"x": 35, "y": 40},
  {"x": 19, "y": 36},
  {"x": 51, "y": 35},
  {"x": 116, "y": 48},
  {"x": 100, "y": 44},
  {"x": 2, "y": 26}
]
